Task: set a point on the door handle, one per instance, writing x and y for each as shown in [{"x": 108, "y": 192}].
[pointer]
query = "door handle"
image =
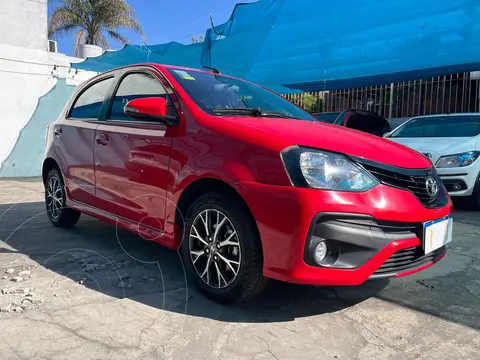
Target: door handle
[
  {"x": 57, "y": 131},
  {"x": 102, "y": 139}
]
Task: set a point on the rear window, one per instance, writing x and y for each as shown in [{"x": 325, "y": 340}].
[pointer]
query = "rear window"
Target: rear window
[{"x": 440, "y": 126}]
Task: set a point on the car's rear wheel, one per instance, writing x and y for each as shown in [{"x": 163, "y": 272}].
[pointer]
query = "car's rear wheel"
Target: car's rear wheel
[
  {"x": 55, "y": 201},
  {"x": 222, "y": 249}
]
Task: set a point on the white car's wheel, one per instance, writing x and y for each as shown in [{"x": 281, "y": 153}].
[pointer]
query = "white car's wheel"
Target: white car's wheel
[{"x": 475, "y": 197}]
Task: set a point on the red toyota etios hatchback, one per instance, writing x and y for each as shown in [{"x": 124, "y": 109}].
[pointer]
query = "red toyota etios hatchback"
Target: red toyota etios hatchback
[{"x": 245, "y": 184}]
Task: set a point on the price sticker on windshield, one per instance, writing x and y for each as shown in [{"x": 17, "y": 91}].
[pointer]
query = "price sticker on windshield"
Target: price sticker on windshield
[{"x": 185, "y": 75}]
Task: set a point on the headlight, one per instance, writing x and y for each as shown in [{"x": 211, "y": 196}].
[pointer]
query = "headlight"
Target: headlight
[
  {"x": 457, "y": 160},
  {"x": 325, "y": 170}
]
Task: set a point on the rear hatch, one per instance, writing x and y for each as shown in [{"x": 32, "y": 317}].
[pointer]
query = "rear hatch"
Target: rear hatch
[{"x": 368, "y": 122}]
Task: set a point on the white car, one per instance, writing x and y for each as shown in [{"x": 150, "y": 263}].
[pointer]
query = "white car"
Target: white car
[{"x": 452, "y": 143}]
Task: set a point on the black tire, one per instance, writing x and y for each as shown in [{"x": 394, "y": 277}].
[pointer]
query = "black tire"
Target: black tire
[
  {"x": 60, "y": 215},
  {"x": 249, "y": 280},
  {"x": 474, "y": 199}
]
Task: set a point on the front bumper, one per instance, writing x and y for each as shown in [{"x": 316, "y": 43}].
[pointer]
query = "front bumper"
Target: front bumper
[
  {"x": 460, "y": 181},
  {"x": 354, "y": 240},
  {"x": 377, "y": 230}
]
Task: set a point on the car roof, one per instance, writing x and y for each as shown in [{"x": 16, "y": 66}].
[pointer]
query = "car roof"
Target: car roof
[
  {"x": 183, "y": 68},
  {"x": 159, "y": 66},
  {"x": 362, "y": 111},
  {"x": 162, "y": 67},
  {"x": 445, "y": 115}
]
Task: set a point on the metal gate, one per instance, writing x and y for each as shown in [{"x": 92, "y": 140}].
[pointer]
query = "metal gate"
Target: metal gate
[{"x": 452, "y": 93}]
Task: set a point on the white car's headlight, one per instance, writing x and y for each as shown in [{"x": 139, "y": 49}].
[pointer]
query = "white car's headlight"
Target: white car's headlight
[
  {"x": 325, "y": 170},
  {"x": 457, "y": 160}
]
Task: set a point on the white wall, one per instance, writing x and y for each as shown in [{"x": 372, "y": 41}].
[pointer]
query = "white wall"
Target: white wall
[
  {"x": 23, "y": 23},
  {"x": 26, "y": 76}
]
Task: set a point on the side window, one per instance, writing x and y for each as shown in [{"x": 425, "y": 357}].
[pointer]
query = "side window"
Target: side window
[
  {"x": 134, "y": 86},
  {"x": 89, "y": 103}
]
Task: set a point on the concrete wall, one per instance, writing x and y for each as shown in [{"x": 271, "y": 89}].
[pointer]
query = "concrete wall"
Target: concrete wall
[
  {"x": 23, "y": 23},
  {"x": 26, "y": 77}
]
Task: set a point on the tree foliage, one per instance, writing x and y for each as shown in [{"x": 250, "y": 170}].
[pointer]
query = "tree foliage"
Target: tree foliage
[
  {"x": 309, "y": 102},
  {"x": 93, "y": 19},
  {"x": 196, "y": 41}
]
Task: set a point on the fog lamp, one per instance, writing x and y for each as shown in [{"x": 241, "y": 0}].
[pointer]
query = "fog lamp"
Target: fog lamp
[{"x": 321, "y": 251}]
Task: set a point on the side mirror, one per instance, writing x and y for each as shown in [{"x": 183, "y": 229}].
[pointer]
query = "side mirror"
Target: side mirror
[{"x": 150, "y": 109}]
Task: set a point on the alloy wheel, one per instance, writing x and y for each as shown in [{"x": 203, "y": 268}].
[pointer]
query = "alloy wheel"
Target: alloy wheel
[
  {"x": 54, "y": 197},
  {"x": 215, "y": 249}
]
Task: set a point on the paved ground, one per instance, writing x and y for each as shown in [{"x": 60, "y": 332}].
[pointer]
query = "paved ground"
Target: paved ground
[{"x": 97, "y": 293}]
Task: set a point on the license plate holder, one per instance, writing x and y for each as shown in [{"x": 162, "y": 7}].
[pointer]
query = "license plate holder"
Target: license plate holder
[{"x": 437, "y": 233}]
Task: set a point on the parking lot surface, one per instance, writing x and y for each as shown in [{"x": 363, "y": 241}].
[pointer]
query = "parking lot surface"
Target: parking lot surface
[{"x": 98, "y": 292}]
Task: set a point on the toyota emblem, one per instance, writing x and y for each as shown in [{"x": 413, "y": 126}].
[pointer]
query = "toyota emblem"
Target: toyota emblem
[{"x": 432, "y": 187}]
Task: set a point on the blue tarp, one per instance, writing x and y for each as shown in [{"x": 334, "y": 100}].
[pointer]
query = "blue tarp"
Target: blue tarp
[{"x": 309, "y": 45}]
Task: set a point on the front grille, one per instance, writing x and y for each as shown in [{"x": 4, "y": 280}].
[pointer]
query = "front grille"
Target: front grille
[
  {"x": 395, "y": 229},
  {"x": 415, "y": 184},
  {"x": 407, "y": 259},
  {"x": 412, "y": 180}
]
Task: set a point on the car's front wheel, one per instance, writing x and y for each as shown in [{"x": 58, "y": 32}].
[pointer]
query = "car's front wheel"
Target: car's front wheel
[
  {"x": 55, "y": 201},
  {"x": 473, "y": 201},
  {"x": 222, "y": 249}
]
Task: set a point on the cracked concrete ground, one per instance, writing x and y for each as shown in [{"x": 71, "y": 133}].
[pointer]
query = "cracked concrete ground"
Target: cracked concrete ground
[{"x": 95, "y": 292}]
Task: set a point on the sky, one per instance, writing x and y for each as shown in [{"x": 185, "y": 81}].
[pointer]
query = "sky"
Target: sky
[{"x": 165, "y": 21}]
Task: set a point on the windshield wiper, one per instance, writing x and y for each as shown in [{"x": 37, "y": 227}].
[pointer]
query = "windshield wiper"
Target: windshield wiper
[{"x": 252, "y": 112}]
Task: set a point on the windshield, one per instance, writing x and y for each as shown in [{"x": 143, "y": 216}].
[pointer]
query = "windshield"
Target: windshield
[
  {"x": 327, "y": 117},
  {"x": 213, "y": 92},
  {"x": 439, "y": 126},
  {"x": 340, "y": 120}
]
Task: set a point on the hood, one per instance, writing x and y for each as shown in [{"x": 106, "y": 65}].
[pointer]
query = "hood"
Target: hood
[
  {"x": 438, "y": 147},
  {"x": 337, "y": 139}
]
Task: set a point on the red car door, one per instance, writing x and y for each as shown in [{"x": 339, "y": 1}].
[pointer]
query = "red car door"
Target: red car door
[
  {"x": 132, "y": 156},
  {"x": 74, "y": 139}
]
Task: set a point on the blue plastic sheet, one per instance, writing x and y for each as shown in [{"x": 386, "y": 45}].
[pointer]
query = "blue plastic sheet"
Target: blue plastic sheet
[{"x": 309, "y": 45}]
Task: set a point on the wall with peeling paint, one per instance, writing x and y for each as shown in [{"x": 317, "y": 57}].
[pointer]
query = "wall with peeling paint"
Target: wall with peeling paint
[
  {"x": 25, "y": 159},
  {"x": 34, "y": 86}
]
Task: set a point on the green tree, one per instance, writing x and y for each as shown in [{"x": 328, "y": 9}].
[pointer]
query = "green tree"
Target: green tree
[
  {"x": 196, "y": 41},
  {"x": 309, "y": 102},
  {"x": 92, "y": 19}
]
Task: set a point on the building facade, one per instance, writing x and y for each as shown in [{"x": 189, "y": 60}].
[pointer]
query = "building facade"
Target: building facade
[
  {"x": 35, "y": 85},
  {"x": 23, "y": 23}
]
